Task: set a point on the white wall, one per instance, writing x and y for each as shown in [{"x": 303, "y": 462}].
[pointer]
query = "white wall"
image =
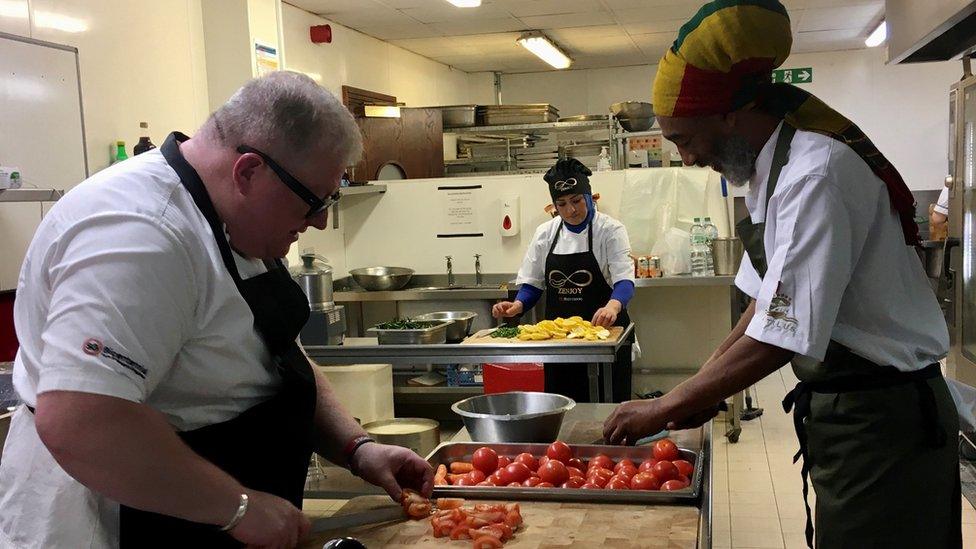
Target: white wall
[
  {"x": 902, "y": 108},
  {"x": 355, "y": 59},
  {"x": 140, "y": 61}
]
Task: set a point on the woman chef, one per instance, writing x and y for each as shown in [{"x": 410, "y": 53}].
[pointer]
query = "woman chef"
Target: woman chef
[{"x": 581, "y": 261}]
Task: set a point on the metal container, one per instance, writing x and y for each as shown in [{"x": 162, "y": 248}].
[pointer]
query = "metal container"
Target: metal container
[
  {"x": 460, "y": 323},
  {"x": 932, "y": 255},
  {"x": 634, "y": 116},
  {"x": 584, "y": 118},
  {"x": 434, "y": 334},
  {"x": 726, "y": 255},
  {"x": 316, "y": 281},
  {"x": 514, "y": 417},
  {"x": 419, "y": 434},
  {"x": 459, "y": 116},
  {"x": 382, "y": 279},
  {"x": 462, "y": 451},
  {"x": 501, "y": 115}
]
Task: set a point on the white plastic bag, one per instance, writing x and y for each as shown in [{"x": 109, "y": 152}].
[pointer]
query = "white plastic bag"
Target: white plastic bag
[
  {"x": 965, "y": 398},
  {"x": 674, "y": 249}
]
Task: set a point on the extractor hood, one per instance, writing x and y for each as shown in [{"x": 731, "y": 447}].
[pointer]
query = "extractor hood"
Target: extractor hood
[{"x": 930, "y": 30}]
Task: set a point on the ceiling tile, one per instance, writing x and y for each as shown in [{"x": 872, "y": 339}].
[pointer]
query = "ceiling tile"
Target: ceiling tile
[
  {"x": 398, "y": 31},
  {"x": 478, "y": 26},
  {"x": 569, "y": 20},
  {"x": 651, "y": 27},
  {"x": 400, "y": 4},
  {"x": 584, "y": 33},
  {"x": 616, "y": 5},
  {"x": 842, "y": 17},
  {"x": 659, "y": 13},
  {"x": 335, "y": 6},
  {"x": 441, "y": 12},
  {"x": 530, "y": 8},
  {"x": 654, "y": 45},
  {"x": 373, "y": 16}
]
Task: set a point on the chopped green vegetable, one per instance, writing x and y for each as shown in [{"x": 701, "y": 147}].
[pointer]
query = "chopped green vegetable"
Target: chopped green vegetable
[
  {"x": 506, "y": 332},
  {"x": 406, "y": 324}
]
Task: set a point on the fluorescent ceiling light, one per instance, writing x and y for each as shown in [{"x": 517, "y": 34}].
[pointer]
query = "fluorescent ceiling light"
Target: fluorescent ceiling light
[
  {"x": 539, "y": 44},
  {"x": 466, "y": 3},
  {"x": 878, "y": 36}
]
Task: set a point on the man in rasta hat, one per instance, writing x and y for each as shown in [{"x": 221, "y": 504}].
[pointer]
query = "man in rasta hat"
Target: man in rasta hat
[{"x": 836, "y": 288}]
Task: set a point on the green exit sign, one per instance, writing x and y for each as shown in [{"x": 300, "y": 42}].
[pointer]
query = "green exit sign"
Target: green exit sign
[{"x": 793, "y": 76}]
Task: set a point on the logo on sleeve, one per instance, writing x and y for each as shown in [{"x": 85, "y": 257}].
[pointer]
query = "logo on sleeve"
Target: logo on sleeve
[
  {"x": 95, "y": 347},
  {"x": 778, "y": 315}
]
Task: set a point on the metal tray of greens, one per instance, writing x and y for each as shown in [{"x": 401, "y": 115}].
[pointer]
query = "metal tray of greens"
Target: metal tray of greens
[
  {"x": 410, "y": 332},
  {"x": 449, "y": 452}
]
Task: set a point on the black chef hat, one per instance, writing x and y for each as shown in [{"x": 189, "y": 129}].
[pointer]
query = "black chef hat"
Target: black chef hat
[{"x": 569, "y": 176}]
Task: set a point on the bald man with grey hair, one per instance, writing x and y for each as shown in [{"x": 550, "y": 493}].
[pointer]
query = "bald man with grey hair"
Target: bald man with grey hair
[{"x": 165, "y": 399}]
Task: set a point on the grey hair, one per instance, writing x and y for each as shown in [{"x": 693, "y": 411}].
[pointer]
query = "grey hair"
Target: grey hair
[{"x": 288, "y": 116}]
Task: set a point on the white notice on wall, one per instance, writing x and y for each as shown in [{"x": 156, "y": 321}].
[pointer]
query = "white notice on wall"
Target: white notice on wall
[
  {"x": 265, "y": 59},
  {"x": 458, "y": 212}
]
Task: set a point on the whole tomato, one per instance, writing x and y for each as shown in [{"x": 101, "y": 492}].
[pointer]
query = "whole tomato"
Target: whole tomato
[
  {"x": 603, "y": 461},
  {"x": 545, "y": 485},
  {"x": 618, "y": 483},
  {"x": 665, "y": 450},
  {"x": 504, "y": 461},
  {"x": 465, "y": 481},
  {"x": 485, "y": 460},
  {"x": 559, "y": 451},
  {"x": 665, "y": 471},
  {"x": 576, "y": 462},
  {"x": 518, "y": 472},
  {"x": 542, "y": 461},
  {"x": 624, "y": 463},
  {"x": 591, "y": 486},
  {"x": 554, "y": 472},
  {"x": 645, "y": 481},
  {"x": 599, "y": 473},
  {"x": 496, "y": 478},
  {"x": 685, "y": 480},
  {"x": 647, "y": 465},
  {"x": 672, "y": 485},
  {"x": 574, "y": 472},
  {"x": 515, "y": 485},
  {"x": 528, "y": 460},
  {"x": 476, "y": 476},
  {"x": 684, "y": 467},
  {"x": 531, "y": 482},
  {"x": 573, "y": 482}
]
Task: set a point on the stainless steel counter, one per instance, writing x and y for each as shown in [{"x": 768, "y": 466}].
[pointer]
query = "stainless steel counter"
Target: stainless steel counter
[{"x": 366, "y": 351}]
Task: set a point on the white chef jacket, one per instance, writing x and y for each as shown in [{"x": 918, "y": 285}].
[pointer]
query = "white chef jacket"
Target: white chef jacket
[
  {"x": 942, "y": 205},
  {"x": 123, "y": 292},
  {"x": 839, "y": 267},
  {"x": 611, "y": 247}
]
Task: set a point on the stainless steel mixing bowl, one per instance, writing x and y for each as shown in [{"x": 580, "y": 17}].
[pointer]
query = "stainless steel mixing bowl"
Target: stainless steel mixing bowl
[
  {"x": 460, "y": 323},
  {"x": 514, "y": 417},
  {"x": 382, "y": 279}
]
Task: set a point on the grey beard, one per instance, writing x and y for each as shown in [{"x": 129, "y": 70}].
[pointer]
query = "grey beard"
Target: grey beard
[{"x": 737, "y": 159}]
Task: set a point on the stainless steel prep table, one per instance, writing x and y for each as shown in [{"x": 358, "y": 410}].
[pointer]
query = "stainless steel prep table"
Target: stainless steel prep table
[{"x": 598, "y": 354}]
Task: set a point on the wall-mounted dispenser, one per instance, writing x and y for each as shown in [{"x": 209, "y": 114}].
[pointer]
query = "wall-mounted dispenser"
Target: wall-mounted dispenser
[{"x": 510, "y": 220}]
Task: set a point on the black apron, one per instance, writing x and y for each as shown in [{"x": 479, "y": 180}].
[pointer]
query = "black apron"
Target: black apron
[
  {"x": 267, "y": 447},
  {"x": 873, "y": 439},
  {"x": 575, "y": 286}
]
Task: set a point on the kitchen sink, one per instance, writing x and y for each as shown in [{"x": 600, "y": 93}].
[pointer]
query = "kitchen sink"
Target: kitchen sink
[{"x": 439, "y": 282}]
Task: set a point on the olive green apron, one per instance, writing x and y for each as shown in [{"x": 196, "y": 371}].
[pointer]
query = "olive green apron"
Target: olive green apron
[{"x": 874, "y": 440}]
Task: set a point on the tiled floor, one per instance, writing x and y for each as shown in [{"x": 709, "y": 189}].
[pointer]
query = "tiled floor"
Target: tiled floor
[{"x": 757, "y": 491}]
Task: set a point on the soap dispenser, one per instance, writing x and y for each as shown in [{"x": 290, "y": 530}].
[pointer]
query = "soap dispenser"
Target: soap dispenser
[{"x": 511, "y": 216}]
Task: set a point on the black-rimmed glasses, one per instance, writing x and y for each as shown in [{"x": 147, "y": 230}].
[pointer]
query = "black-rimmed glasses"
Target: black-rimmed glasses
[{"x": 316, "y": 205}]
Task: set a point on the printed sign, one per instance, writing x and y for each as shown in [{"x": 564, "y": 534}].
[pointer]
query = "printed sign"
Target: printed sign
[
  {"x": 793, "y": 76},
  {"x": 265, "y": 59}
]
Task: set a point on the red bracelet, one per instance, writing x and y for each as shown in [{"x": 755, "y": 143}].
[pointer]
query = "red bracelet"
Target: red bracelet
[{"x": 350, "y": 450}]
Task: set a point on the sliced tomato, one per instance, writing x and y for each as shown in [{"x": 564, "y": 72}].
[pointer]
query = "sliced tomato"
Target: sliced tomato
[
  {"x": 509, "y": 507},
  {"x": 444, "y": 504},
  {"x": 461, "y": 531},
  {"x": 513, "y": 519},
  {"x": 666, "y": 450},
  {"x": 485, "y": 460},
  {"x": 488, "y": 507},
  {"x": 684, "y": 467},
  {"x": 487, "y": 542},
  {"x": 559, "y": 451},
  {"x": 490, "y": 530},
  {"x": 419, "y": 511}
]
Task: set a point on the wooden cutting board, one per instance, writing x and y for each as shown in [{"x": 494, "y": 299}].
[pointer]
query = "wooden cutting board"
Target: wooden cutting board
[
  {"x": 481, "y": 337},
  {"x": 546, "y": 525}
]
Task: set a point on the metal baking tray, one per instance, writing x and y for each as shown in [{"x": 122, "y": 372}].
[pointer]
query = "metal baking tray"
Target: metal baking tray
[
  {"x": 462, "y": 451},
  {"x": 434, "y": 334},
  {"x": 519, "y": 117}
]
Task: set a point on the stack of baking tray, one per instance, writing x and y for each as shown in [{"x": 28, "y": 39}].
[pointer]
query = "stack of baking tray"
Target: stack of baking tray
[{"x": 504, "y": 115}]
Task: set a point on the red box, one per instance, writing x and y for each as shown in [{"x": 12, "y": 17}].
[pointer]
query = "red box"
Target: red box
[{"x": 519, "y": 376}]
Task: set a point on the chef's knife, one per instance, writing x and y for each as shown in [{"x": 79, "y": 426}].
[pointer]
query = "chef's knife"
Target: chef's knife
[{"x": 373, "y": 516}]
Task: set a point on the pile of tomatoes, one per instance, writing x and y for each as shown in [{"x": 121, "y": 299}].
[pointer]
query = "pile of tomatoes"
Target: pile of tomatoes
[{"x": 559, "y": 468}]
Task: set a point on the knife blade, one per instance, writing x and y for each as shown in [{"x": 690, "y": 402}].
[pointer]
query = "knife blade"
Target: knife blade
[{"x": 373, "y": 516}]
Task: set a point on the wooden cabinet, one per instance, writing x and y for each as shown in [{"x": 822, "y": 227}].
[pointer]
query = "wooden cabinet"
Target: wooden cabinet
[{"x": 414, "y": 143}]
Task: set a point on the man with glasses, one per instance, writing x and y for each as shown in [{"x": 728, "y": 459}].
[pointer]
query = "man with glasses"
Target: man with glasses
[{"x": 167, "y": 402}]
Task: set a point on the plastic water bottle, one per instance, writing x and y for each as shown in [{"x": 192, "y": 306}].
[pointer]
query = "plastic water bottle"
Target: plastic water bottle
[
  {"x": 699, "y": 249},
  {"x": 603, "y": 162},
  {"x": 711, "y": 233}
]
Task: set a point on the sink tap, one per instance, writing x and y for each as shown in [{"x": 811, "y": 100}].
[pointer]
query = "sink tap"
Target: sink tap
[
  {"x": 450, "y": 272},
  {"x": 477, "y": 270}
]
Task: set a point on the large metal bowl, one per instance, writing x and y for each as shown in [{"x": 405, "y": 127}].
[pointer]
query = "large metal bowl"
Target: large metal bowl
[
  {"x": 382, "y": 279},
  {"x": 634, "y": 116},
  {"x": 460, "y": 323},
  {"x": 514, "y": 417}
]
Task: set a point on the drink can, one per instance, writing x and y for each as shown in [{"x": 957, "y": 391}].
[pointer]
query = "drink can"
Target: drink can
[
  {"x": 654, "y": 267},
  {"x": 643, "y": 267}
]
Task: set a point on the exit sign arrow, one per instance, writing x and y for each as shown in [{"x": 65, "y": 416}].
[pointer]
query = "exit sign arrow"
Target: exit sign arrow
[{"x": 793, "y": 76}]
